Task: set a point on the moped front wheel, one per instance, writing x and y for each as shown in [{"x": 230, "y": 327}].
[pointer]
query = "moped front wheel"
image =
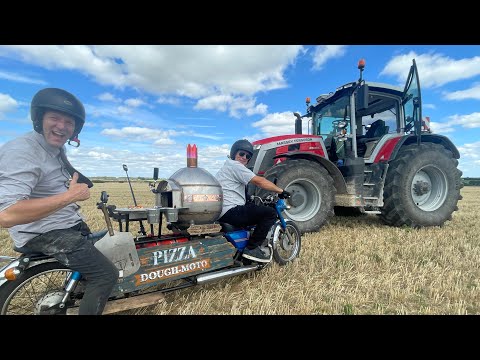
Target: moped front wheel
[
  {"x": 286, "y": 243},
  {"x": 39, "y": 286}
]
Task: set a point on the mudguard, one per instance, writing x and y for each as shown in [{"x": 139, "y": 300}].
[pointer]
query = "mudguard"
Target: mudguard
[{"x": 120, "y": 249}]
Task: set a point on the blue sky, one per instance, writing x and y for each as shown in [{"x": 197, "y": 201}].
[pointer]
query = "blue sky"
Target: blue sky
[{"x": 145, "y": 103}]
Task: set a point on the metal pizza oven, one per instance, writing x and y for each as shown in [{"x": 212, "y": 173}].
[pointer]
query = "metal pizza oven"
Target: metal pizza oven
[{"x": 196, "y": 194}]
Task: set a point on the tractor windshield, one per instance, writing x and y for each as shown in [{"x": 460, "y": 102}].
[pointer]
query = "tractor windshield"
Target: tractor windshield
[{"x": 327, "y": 120}]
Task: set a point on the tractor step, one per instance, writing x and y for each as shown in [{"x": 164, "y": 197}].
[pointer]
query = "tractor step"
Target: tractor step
[{"x": 372, "y": 212}]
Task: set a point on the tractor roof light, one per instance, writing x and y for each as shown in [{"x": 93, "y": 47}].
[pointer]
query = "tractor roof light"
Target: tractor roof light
[
  {"x": 361, "y": 64},
  {"x": 361, "y": 67}
]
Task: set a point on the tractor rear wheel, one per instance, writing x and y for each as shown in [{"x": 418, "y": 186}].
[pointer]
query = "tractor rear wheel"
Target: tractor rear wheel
[
  {"x": 312, "y": 189},
  {"x": 422, "y": 187}
]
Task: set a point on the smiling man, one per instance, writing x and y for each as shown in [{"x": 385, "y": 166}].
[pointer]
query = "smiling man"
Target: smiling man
[
  {"x": 234, "y": 176},
  {"x": 38, "y": 196}
]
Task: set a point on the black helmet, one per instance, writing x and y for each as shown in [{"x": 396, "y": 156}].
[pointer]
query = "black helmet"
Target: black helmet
[
  {"x": 56, "y": 99},
  {"x": 244, "y": 145}
]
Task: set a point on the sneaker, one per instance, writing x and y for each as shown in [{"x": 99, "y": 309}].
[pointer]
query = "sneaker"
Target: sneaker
[{"x": 256, "y": 254}]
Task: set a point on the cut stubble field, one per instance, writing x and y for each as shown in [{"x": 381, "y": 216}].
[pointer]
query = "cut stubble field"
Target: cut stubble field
[{"x": 353, "y": 265}]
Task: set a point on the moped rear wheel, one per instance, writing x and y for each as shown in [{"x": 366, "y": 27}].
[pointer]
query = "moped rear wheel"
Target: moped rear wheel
[
  {"x": 39, "y": 285},
  {"x": 286, "y": 243}
]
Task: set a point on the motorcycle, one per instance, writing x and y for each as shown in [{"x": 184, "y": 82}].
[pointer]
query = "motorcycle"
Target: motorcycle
[{"x": 150, "y": 265}]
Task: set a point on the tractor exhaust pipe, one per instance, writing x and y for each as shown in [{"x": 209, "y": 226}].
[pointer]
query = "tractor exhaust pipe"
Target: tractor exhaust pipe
[
  {"x": 205, "y": 278},
  {"x": 298, "y": 123}
]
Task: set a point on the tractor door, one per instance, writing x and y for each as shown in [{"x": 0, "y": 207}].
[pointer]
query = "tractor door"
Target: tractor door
[{"x": 412, "y": 103}]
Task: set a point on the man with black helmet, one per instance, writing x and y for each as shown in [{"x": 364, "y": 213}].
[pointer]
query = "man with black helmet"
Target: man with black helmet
[
  {"x": 234, "y": 176},
  {"x": 38, "y": 195}
]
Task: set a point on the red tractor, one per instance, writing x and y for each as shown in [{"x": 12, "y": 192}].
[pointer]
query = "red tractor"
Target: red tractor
[{"x": 367, "y": 151}]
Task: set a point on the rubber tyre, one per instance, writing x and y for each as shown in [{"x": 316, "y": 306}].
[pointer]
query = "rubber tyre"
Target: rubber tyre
[
  {"x": 313, "y": 192},
  {"x": 35, "y": 277},
  {"x": 427, "y": 163},
  {"x": 285, "y": 251}
]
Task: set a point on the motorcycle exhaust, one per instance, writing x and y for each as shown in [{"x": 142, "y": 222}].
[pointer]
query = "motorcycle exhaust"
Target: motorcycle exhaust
[{"x": 205, "y": 278}]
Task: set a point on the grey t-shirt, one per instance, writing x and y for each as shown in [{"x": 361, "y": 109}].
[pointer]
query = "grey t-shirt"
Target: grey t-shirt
[
  {"x": 30, "y": 168},
  {"x": 233, "y": 176}
]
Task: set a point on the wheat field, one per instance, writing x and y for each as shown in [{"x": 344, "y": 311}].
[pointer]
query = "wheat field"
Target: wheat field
[{"x": 353, "y": 265}]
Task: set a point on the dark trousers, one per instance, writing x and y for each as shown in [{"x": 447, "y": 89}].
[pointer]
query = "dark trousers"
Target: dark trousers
[
  {"x": 250, "y": 214},
  {"x": 70, "y": 248}
]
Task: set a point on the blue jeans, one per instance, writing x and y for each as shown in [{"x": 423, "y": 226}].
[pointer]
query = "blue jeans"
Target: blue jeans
[{"x": 71, "y": 249}]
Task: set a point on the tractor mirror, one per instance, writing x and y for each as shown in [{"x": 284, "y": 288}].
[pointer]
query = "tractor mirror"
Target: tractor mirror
[
  {"x": 361, "y": 100},
  {"x": 155, "y": 173}
]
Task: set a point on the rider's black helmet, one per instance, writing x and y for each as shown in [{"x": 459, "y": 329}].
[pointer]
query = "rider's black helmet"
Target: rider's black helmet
[
  {"x": 60, "y": 100},
  {"x": 238, "y": 145}
]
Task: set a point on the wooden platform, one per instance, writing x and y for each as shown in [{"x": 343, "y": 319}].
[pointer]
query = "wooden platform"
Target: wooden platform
[{"x": 130, "y": 303}]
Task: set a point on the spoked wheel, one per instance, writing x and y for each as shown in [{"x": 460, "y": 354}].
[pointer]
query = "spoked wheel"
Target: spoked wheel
[
  {"x": 286, "y": 244},
  {"x": 36, "y": 290}
]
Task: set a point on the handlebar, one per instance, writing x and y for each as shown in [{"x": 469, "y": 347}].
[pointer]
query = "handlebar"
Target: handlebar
[{"x": 269, "y": 199}]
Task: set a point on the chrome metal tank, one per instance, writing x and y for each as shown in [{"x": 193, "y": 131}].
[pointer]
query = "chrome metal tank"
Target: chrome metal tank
[{"x": 194, "y": 191}]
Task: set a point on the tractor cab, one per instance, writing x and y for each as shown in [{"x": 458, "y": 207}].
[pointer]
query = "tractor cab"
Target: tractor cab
[{"x": 359, "y": 117}]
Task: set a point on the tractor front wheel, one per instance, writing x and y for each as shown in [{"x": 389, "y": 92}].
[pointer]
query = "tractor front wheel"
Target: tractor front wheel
[{"x": 312, "y": 189}]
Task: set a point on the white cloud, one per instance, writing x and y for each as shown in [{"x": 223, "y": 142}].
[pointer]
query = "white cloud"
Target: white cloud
[
  {"x": 97, "y": 155},
  {"x": 323, "y": 53},
  {"x": 429, "y": 106},
  {"x": 108, "y": 97},
  {"x": 20, "y": 78},
  {"x": 217, "y": 102},
  {"x": 236, "y": 106},
  {"x": 467, "y": 121},
  {"x": 138, "y": 133},
  {"x": 434, "y": 69},
  {"x": 153, "y": 136},
  {"x": 472, "y": 93},
  {"x": 201, "y": 71},
  {"x": 168, "y": 100},
  {"x": 278, "y": 124},
  {"x": 134, "y": 102},
  {"x": 7, "y": 104},
  {"x": 470, "y": 151},
  {"x": 124, "y": 110},
  {"x": 441, "y": 128},
  {"x": 258, "y": 109},
  {"x": 164, "y": 142}
]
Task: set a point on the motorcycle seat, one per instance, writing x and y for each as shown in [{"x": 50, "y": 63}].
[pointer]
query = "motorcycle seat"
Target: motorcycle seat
[
  {"x": 30, "y": 254},
  {"x": 226, "y": 227}
]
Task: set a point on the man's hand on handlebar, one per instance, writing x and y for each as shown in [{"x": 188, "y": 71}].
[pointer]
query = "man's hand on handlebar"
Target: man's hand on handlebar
[{"x": 284, "y": 195}]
